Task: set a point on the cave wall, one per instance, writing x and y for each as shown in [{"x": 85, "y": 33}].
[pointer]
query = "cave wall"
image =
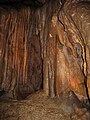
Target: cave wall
[
  {"x": 43, "y": 48},
  {"x": 73, "y": 24},
  {"x": 23, "y": 35},
  {"x": 20, "y": 52},
  {"x": 66, "y": 66}
]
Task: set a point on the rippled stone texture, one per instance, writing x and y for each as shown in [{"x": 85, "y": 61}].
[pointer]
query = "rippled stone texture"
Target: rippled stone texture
[
  {"x": 20, "y": 59},
  {"x": 23, "y": 35},
  {"x": 67, "y": 58},
  {"x": 50, "y": 44}
]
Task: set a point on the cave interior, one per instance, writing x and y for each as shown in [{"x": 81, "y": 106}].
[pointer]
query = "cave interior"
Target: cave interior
[{"x": 44, "y": 60}]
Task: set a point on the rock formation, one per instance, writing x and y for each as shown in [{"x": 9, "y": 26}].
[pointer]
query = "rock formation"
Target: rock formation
[{"x": 45, "y": 48}]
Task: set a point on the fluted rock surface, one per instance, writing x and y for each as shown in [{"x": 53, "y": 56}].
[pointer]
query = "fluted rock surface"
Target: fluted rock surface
[
  {"x": 22, "y": 36},
  {"x": 67, "y": 57},
  {"x": 48, "y": 46},
  {"x": 20, "y": 52}
]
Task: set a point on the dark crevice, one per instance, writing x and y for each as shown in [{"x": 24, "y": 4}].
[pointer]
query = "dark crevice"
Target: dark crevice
[
  {"x": 85, "y": 76},
  {"x": 17, "y": 4}
]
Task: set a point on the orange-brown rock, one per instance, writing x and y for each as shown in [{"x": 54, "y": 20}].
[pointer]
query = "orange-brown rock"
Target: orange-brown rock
[
  {"x": 48, "y": 46},
  {"x": 69, "y": 35},
  {"x": 20, "y": 58}
]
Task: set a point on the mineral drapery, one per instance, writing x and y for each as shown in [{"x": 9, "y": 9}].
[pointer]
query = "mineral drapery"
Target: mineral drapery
[{"x": 48, "y": 46}]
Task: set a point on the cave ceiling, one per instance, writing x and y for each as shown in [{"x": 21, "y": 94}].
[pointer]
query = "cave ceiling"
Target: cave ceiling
[
  {"x": 33, "y": 3},
  {"x": 22, "y": 1}
]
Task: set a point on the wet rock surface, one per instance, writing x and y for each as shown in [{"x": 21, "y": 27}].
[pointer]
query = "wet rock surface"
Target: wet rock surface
[{"x": 47, "y": 48}]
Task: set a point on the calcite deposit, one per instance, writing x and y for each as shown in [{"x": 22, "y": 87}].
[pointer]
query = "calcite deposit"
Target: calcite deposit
[{"x": 45, "y": 48}]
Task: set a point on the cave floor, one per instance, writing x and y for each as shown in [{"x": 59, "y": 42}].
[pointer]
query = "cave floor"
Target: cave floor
[{"x": 40, "y": 107}]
